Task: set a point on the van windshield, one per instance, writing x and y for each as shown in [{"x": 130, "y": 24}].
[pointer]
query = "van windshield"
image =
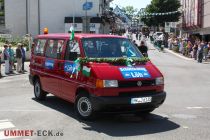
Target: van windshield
[{"x": 109, "y": 48}]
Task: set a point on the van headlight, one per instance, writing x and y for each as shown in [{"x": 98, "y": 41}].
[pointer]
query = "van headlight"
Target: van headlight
[
  {"x": 159, "y": 81},
  {"x": 106, "y": 83},
  {"x": 110, "y": 83}
]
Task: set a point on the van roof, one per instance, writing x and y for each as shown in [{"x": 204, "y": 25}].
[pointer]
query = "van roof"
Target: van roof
[{"x": 78, "y": 35}]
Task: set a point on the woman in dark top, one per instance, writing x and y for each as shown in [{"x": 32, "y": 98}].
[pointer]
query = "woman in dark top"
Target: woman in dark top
[
  {"x": 143, "y": 49},
  {"x": 195, "y": 49},
  {"x": 19, "y": 58}
]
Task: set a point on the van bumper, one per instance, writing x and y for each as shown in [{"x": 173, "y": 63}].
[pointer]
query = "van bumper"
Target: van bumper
[{"x": 117, "y": 104}]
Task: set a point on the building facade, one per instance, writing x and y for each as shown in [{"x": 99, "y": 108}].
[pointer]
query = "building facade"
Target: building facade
[
  {"x": 31, "y": 16},
  {"x": 196, "y": 17}
]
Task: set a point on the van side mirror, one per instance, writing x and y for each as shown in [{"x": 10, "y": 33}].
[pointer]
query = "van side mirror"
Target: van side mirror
[{"x": 73, "y": 56}]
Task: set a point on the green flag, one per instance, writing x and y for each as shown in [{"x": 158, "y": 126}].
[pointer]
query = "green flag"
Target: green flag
[
  {"x": 72, "y": 33},
  {"x": 86, "y": 71}
]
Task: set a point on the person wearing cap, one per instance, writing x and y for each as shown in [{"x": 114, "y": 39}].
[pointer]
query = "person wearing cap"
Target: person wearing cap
[
  {"x": 6, "y": 58},
  {"x": 19, "y": 58}
]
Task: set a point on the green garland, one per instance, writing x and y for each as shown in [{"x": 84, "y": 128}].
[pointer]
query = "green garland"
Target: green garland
[
  {"x": 80, "y": 62},
  {"x": 115, "y": 61}
]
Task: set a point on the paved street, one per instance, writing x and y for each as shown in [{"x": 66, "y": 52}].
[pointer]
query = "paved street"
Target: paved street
[{"x": 185, "y": 114}]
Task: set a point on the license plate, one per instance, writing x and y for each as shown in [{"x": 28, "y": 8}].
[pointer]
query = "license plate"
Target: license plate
[{"x": 141, "y": 100}]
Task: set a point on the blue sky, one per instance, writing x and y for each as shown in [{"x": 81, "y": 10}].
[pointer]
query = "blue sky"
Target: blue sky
[{"x": 135, "y": 3}]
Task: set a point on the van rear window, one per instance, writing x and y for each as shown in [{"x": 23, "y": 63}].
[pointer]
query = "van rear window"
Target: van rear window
[{"x": 39, "y": 48}]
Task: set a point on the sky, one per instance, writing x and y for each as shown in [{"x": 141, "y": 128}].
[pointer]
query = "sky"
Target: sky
[{"x": 135, "y": 3}]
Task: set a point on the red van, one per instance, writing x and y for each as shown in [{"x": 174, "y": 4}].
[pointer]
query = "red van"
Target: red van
[{"x": 95, "y": 72}]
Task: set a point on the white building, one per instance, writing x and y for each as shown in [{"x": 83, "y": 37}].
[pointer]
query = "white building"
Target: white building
[{"x": 31, "y": 16}]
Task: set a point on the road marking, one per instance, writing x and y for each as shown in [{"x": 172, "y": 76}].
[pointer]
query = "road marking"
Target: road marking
[
  {"x": 198, "y": 107},
  {"x": 6, "y": 125},
  {"x": 4, "y": 120},
  {"x": 185, "y": 127},
  {"x": 184, "y": 116},
  {"x": 3, "y": 137}
]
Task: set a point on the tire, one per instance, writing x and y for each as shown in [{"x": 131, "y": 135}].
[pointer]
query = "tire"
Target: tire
[
  {"x": 145, "y": 112},
  {"x": 38, "y": 92},
  {"x": 84, "y": 107}
]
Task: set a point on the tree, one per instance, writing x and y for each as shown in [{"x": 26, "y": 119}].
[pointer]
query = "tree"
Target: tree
[
  {"x": 162, "y": 6},
  {"x": 129, "y": 11}
]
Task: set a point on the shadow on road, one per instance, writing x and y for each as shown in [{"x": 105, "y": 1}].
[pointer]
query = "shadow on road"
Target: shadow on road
[{"x": 116, "y": 125}]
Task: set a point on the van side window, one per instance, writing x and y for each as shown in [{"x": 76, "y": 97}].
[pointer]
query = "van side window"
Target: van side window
[
  {"x": 39, "y": 48},
  {"x": 72, "y": 50},
  {"x": 54, "y": 48}
]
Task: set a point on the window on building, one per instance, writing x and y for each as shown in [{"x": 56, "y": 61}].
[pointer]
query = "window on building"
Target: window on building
[
  {"x": 39, "y": 48},
  {"x": 2, "y": 17},
  {"x": 54, "y": 49}
]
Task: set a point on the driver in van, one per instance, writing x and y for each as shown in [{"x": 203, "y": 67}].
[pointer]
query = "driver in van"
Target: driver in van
[
  {"x": 115, "y": 50},
  {"x": 75, "y": 47}
]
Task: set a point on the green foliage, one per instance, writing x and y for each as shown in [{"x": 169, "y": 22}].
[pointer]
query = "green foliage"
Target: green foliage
[
  {"x": 1, "y": 13},
  {"x": 129, "y": 11},
  {"x": 15, "y": 40},
  {"x": 114, "y": 61},
  {"x": 162, "y": 6},
  {"x": 3, "y": 39}
]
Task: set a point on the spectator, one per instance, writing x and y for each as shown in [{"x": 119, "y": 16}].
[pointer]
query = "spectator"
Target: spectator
[
  {"x": 6, "y": 59},
  {"x": 23, "y": 57},
  {"x": 170, "y": 40},
  {"x": 143, "y": 49},
  {"x": 19, "y": 58},
  {"x": 12, "y": 58},
  {"x": 206, "y": 51},
  {"x": 200, "y": 52},
  {"x": 189, "y": 49},
  {"x": 175, "y": 46},
  {"x": 184, "y": 51},
  {"x": 137, "y": 36},
  {"x": 134, "y": 42},
  {"x": 0, "y": 63},
  {"x": 195, "y": 49}
]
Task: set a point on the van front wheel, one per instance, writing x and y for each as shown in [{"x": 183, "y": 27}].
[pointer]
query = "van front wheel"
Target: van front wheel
[
  {"x": 38, "y": 92},
  {"x": 84, "y": 107}
]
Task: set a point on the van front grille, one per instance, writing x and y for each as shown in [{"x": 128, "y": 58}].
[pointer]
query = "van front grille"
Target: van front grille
[{"x": 126, "y": 84}]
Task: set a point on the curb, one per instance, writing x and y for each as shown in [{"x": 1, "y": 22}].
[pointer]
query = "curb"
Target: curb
[
  {"x": 178, "y": 55},
  {"x": 169, "y": 51}
]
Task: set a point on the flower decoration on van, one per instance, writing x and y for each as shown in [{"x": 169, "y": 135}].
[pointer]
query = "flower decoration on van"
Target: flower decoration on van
[
  {"x": 115, "y": 61},
  {"x": 81, "y": 63}
]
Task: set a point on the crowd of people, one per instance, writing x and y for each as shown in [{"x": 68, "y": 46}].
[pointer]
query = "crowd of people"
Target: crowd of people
[
  {"x": 199, "y": 50},
  {"x": 9, "y": 57}
]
